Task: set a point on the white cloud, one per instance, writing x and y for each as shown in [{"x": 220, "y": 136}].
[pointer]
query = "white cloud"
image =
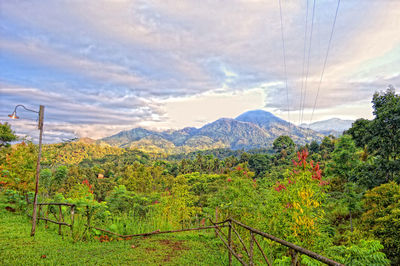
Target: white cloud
[
  {"x": 167, "y": 63},
  {"x": 198, "y": 110}
]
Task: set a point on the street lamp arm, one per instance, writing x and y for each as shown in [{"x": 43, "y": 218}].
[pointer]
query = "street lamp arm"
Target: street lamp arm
[{"x": 30, "y": 110}]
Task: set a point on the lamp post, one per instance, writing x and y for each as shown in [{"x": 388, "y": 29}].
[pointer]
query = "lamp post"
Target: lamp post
[{"x": 40, "y": 127}]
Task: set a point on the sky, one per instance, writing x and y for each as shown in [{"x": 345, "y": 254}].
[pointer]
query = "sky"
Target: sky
[{"x": 100, "y": 67}]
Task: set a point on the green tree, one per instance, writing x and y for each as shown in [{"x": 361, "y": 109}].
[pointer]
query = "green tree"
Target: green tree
[
  {"x": 45, "y": 180},
  {"x": 121, "y": 200},
  {"x": 178, "y": 206},
  {"x": 284, "y": 146},
  {"x": 386, "y": 129},
  {"x": 326, "y": 147},
  {"x": 381, "y": 136},
  {"x": 344, "y": 165},
  {"x": 361, "y": 132},
  {"x": 60, "y": 177},
  {"x": 6, "y": 135},
  {"x": 260, "y": 164},
  {"x": 382, "y": 217},
  {"x": 314, "y": 147},
  {"x": 345, "y": 159},
  {"x": 244, "y": 157},
  {"x": 21, "y": 167}
]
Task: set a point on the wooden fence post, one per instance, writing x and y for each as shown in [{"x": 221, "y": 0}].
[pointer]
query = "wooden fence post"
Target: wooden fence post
[
  {"x": 251, "y": 263},
  {"x": 88, "y": 216},
  {"x": 295, "y": 257},
  {"x": 216, "y": 220},
  {"x": 40, "y": 209},
  {"x": 230, "y": 242},
  {"x": 47, "y": 217},
  {"x": 261, "y": 250},
  {"x": 72, "y": 218},
  {"x": 59, "y": 219}
]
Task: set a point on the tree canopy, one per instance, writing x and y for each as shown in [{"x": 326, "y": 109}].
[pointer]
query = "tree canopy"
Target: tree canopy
[{"x": 381, "y": 136}]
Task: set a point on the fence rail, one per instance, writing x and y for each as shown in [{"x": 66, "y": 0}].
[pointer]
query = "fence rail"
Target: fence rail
[
  {"x": 56, "y": 204},
  {"x": 158, "y": 232}
]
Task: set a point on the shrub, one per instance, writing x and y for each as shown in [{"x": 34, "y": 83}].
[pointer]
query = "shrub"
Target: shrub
[{"x": 382, "y": 217}]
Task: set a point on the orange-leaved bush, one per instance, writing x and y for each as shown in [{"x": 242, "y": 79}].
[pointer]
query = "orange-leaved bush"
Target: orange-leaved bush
[{"x": 296, "y": 202}]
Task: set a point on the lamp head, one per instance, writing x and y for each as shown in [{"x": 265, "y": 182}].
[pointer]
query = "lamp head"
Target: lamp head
[{"x": 13, "y": 115}]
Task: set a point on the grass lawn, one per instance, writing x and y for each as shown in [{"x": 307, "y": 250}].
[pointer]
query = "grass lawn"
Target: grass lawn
[{"x": 17, "y": 247}]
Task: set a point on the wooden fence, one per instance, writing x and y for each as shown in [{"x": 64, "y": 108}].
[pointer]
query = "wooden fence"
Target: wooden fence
[
  {"x": 228, "y": 241},
  {"x": 226, "y": 238},
  {"x": 59, "y": 216}
]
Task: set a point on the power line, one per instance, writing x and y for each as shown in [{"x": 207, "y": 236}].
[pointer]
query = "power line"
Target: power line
[
  {"x": 304, "y": 61},
  {"x": 326, "y": 58},
  {"x": 308, "y": 63},
  {"x": 284, "y": 65}
]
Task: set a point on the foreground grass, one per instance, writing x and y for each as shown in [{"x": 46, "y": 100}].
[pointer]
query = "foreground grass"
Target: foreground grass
[{"x": 48, "y": 248}]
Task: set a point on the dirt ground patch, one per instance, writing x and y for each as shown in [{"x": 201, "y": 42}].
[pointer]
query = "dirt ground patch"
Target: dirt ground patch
[{"x": 174, "y": 247}]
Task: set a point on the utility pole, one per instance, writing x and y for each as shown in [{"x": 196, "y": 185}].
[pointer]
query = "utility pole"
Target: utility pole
[{"x": 40, "y": 127}]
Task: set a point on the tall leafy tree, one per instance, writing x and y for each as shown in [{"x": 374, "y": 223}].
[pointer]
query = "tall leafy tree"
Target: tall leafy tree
[
  {"x": 6, "y": 135},
  {"x": 314, "y": 147},
  {"x": 361, "y": 132},
  {"x": 382, "y": 216},
  {"x": 381, "y": 136},
  {"x": 260, "y": 164},
  {"x": 327, "y": 146},
  {"x": 20, "y": 167},
  {"x": 345, "y": 159},
  {"x": 386, "y": 129},
  {"x": 284, "y": 145},
  {"x": 344, "y": 165}
]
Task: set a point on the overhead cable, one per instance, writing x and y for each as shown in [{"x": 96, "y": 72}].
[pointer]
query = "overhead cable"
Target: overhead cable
[
  {"x": 308, "y": 63},
  {"x": 304, "y": 61},
  {"x": 284, "y": 64},
  {"x": 326, "y": 59}
]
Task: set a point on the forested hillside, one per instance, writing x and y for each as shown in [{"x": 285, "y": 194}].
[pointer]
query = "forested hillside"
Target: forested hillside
[{"x": 339, "y": 197}]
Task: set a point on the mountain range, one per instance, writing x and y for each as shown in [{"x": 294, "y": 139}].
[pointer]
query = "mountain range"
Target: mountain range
[
  {"x": 333, "y": 126},
  {"x": 250, "y": 130}
]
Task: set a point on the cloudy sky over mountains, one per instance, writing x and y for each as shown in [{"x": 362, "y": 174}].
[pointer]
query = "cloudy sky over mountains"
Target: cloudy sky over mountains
[{"x": 100, "y": 67}]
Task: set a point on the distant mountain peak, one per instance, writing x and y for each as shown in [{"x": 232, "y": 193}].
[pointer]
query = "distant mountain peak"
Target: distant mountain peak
[
  {"x": 85, "y": 140},
  {"x": 257, "y": 112},
  {"x": 334, "y": 126},
  {"x": 261, "y": 118}
]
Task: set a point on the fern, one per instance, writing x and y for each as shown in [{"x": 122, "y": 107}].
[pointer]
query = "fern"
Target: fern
[{"x": 367, "y": 252}]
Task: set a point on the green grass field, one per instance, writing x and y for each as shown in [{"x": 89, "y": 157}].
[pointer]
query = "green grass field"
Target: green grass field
[{"x": 17, "y": 247}]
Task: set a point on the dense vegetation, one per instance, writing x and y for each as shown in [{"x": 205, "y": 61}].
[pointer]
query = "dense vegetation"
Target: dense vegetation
[{"x": 339, "y": 197}]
